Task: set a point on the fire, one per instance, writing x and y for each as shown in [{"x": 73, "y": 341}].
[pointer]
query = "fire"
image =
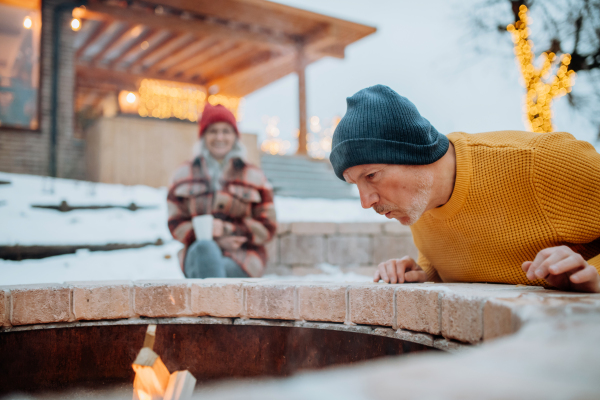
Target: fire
[{"x": 152, "y": 378}]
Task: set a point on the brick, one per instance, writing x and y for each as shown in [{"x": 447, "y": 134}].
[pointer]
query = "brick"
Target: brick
[
  {"x": 302, "y": 249},
  {"x": 419, "y": 309},
  {"x": 499, "y": 319},
  {"x": 313, "y": 228},
  {"x": 364, "y": 228},
  {"x": 462, "y": 317},
  {"x": 389, "y": 247},
  {"x": 270, "y": 301},
  {"x": 349, "y": 250},
  {"x": 161, "y": 299},
  {"x": 322, "y": 302},
  {"x": 40, "y": 304},
  {"x": 4, "y": 307},
  {"x": 217, "y": 299},
  {"x": 272, "y": 249},
  {"x": 102, "y": 300},
  {"x": 396, "y": 228},
  {"x": 372, "y": 304}
]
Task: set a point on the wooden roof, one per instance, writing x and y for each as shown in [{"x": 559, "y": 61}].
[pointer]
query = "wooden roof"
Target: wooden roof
[{"x": 237, "y": 45}]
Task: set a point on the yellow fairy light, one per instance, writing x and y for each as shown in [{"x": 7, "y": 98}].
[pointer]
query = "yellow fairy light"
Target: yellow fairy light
[
  {"x": 27, "y": 23},
  {"x": 540, "y": 87},
  {"x": 320, "y": 140},
  {"x": 164, "y": 99},
  {"x": 273, "y": 145},
  {"x": 75, "y": 24}
]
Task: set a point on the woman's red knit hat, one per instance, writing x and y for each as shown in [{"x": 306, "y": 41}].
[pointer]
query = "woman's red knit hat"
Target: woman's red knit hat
[{"x": 218, "y": 113}]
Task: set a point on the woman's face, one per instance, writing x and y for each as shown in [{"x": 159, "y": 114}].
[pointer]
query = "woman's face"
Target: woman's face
[{"x": 219, "y": 139}]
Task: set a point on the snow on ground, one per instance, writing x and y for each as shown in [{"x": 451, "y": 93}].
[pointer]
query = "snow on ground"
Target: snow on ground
[
  {"x": 20, "y": 224},
  {"x": 151, "y": 262},
  {"x": 23, "y": 225}
]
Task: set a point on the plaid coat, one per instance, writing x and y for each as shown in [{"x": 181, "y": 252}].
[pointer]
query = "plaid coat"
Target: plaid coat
[{"x": 245, "y": 204}]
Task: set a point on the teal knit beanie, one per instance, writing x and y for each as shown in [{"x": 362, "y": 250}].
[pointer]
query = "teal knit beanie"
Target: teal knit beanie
[{"x": 382, "y": 127}]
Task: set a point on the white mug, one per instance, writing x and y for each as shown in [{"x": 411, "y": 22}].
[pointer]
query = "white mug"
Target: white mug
[{"x": 203, "y": 226}]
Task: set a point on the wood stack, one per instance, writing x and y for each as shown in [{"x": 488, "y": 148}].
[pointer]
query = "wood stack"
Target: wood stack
[{"x": 152, "y": 378}]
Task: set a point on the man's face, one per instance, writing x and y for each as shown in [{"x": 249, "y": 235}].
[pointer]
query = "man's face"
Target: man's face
[{"x": 402, "y": 192}]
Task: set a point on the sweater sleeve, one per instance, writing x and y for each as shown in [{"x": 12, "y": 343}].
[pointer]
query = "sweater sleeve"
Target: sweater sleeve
[
  {"x": 566, "y": 175},
  {"x": 260, "y": 226},
  {"x": 432, "y": 275}
]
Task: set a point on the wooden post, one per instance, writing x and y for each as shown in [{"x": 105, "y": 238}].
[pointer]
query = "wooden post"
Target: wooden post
[{"x": 301, "y": 71}]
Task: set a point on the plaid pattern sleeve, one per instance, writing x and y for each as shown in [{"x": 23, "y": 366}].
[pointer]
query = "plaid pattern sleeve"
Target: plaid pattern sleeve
[
  {"x": 260, "y": 225},
  {"x": 179, "y": 217}
]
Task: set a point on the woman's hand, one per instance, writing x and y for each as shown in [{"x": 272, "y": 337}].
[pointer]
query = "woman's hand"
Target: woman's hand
[
  {"x": 217, "y": 228},
  {"x": 564, "y": 269},
  {"x": 400, "y": 270},
  {"x": 231, "y": 243}
]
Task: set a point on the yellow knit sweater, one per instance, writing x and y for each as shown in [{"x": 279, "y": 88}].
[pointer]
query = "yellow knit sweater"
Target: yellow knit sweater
[{"x": 516, "y": 193}]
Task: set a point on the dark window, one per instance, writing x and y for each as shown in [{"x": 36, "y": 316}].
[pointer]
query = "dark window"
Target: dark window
[{"x": 20, "y": 29}]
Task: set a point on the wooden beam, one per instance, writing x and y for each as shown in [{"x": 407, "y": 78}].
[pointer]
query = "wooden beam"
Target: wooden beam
[
  {"x": 193, "y": 60},
  {"x": 181, "y": 52},
  {"x": 215, "y": 56},
  {"x": 134, "y": 47},
  {"x": 198, "y": 27},
  {"x": 260, "y": 72},
  {"x": 100, "y": 30},
  {"x": 89, "y": 76},
  {"x": 301, "y": 71},
  {"x": 118, "y": 37},
  {"x": 249, "y": 59},
  {"x": 154, "y": 50}
]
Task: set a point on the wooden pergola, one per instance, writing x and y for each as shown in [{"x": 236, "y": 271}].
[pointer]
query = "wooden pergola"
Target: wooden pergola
[{"x": 232, "y": 47}]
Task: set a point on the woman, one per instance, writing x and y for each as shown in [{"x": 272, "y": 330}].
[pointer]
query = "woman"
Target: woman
[{"x": 220, "y": 182}]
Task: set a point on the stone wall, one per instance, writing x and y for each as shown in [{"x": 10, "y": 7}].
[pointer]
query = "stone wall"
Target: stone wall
[
  {"x": 28, "y": 152},
  {"x": 300, "y": 247},
  {"x": 438, "y": 315}
]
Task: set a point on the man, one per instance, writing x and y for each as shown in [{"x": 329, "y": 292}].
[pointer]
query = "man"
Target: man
[{"x": 507, "y": 207}]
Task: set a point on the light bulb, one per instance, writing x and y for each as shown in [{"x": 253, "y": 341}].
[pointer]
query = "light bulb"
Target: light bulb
[
  {"x": 130, "y": 97},
  {"x": 75, "y": 24},
  {"x": 27, "y": 23}
]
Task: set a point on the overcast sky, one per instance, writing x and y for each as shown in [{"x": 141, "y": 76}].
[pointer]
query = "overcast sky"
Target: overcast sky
[{"x": 421, "y": 50}]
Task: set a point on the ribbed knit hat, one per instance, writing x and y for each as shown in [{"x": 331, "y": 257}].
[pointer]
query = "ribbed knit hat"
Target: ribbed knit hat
[
  {"x": 382, "y": 127},
  {"x": 216, "y": 113}
]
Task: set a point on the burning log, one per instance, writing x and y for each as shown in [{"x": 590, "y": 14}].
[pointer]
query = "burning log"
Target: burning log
[
  {"x": 152, "y": 379},
  {"x": 181, "y": 385}
]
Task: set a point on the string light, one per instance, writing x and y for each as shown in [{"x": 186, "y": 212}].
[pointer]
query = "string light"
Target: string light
[
  {"x": 75, "y": 24},
  {"x": 27, "y": 23},
  {"x": 540, "y": 88},
  {"x": 164, "y": 99},
  {"x": 273, "y": 144},
  {"x": 319, "y": 140},
  {"x": 130, "y": 98}
]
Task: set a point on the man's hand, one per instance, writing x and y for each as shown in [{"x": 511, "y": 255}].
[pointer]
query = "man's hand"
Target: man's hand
[
  {"x": 400, "y": 270},
  {"x": 231, "y": 243},
  {"x": 218, "y": 228},
  {"x": 564, "y": 269}
]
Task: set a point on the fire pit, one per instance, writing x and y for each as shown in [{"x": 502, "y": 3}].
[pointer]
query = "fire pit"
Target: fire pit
[
  {"x": 87, "y": 334},
  {"x": 58, "y": 337}
]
